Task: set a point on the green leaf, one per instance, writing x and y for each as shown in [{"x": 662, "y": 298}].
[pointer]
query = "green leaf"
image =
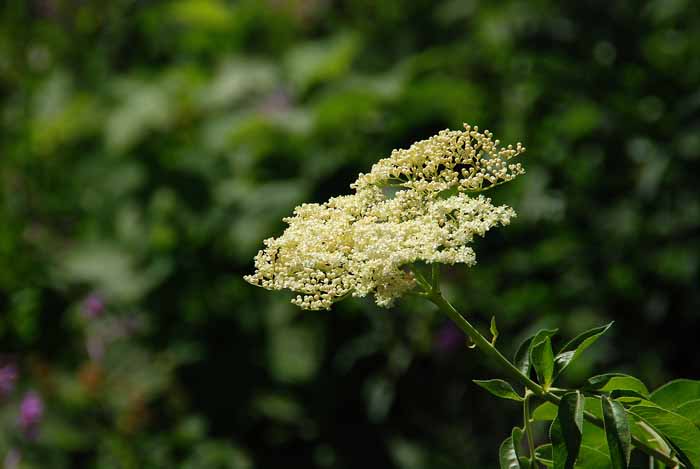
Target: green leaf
[
  {"x": 566, "y": 431},
  {"x": 592, "y": 458},
  {"x": 628, "y": 397},
  {"x": 545, "y": 412},
  {"x": 575, "y": 347},
  {"x": 508, "y": 452},
  {"x": 593, "y": 436},
  {"x": 521, "y": 360},
  {"x": 588, "y": 457},
  {"x": 676, "y": 393},
  {"x": 617, "y": 432},
  {"x": 677, "y": 429},
  {"x": 616, "y": 381},
  {"x": 691, "y": 411},
  {"x": 494, "y": 330},
  {"x": 542, "y": 359},
  {"x": 499, "y": 388},
  {"x": 522, "y": 355}
]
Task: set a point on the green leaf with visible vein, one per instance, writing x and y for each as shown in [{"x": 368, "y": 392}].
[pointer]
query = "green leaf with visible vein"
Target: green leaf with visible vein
[
  {"x": 677, "y": 429},
  {"x": 691, "y": 411},
  {"x": 542, "y": 359},
  {"x": 521, "y": 360},
  {"x": 617, "y": 432},
  {"x": 591, "y": 458},
  {"x": 575, "y": 347},
  {"x": 499, "y": 388},
  {"x": 616, "y": 381},
  {"x": 676, "y": 393}
]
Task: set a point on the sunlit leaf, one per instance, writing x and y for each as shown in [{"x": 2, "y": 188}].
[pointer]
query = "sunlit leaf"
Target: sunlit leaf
[
  {"x": 676, "y": 393},
  {"x": 679, "y": 430},
  {"x": 691, "y": 411}
]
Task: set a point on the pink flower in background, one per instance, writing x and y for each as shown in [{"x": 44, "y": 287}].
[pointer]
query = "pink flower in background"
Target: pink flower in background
[
  {"x": 8, "y": 378},
  {"x": 93, "y": 306},
  {"x": 31, "y": 411}
]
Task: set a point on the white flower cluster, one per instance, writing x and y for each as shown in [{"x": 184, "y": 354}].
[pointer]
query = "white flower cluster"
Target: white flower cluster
[
  {"x": 466, "y": 160},
  {"x": 362, "y": 243}
]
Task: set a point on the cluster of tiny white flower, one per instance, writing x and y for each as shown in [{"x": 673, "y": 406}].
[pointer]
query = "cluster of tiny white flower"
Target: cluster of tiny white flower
[
  {"x": 467, "y": 160},
  {"x": 362, "y": 243}
]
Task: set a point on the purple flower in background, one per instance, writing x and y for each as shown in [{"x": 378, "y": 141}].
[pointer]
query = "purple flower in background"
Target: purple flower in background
[
  {"x": 448, "y": 338},
  {"x": 31, "y": 410},
  {"x": 93, "y": 306},
  {"x": 12, "y": 459},
  {"x": 8, "y": 378}
]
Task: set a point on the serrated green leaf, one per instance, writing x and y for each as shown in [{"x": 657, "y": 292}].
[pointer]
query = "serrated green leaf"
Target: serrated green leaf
[
  {"x": 617, "y": 432},
  {"x": 499, "y": 388},
  {"x": 566, "y": 431},
  {"x": 542, "y": 359},
  {"x": 676, "y": 393},
  {"x": 677, "y": 429},
  {"x": 616, "y": 381},
  {"x": 508, "y": 456},
  {"x": 576, "y": 346}
]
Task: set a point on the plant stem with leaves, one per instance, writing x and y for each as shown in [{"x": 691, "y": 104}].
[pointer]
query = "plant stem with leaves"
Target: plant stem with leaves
[{"x": 432, "y": 292}]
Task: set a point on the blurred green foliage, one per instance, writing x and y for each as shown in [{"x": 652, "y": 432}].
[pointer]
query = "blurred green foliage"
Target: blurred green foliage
[{"x": 147, "y": 148}]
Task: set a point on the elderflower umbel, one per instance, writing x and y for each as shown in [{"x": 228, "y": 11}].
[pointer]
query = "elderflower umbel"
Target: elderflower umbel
[{"x": 362, "y": 243}]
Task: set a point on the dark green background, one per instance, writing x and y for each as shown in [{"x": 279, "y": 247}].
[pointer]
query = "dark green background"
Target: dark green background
[{"x": 147, "y": 148}]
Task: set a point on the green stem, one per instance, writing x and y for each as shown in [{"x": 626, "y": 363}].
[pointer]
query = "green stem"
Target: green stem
[
  {"x": 435, "y": 277},
  {"x": 528, "y": 428},
  {"x": 483, "y": 344},
  {"x": 486, "y": 347}
]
